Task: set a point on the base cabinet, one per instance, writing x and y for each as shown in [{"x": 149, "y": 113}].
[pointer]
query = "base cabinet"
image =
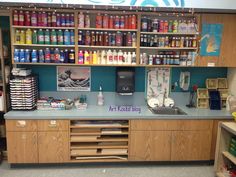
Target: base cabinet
[
  {"x": 53, "y": 147},
  {"x": 150, "y": 145},
  {"x": 22, "y": 147},
  {"x": 190, "y": 145}
]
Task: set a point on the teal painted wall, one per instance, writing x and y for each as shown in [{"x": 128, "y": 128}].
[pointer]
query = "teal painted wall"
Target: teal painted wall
[{"x": 105, "y": 76}]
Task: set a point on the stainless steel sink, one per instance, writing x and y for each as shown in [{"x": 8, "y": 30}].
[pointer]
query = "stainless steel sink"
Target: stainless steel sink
[{"x": 167, "y": 111}]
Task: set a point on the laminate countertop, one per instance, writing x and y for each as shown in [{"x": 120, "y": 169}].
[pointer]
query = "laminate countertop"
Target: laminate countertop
[{"x": 117, "y": 112}]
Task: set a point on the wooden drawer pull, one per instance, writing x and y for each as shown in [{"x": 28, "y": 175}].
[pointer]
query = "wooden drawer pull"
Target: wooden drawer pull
[
  {"x": 21, "y": 124},
  {"x": 52, "y": 124}
]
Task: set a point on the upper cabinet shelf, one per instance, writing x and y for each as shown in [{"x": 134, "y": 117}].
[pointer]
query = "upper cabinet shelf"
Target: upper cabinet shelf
[
  {"x": 108, "y": 29},
  {"x": 170, "y": 33},
  {"x": 41, "y": 27}
]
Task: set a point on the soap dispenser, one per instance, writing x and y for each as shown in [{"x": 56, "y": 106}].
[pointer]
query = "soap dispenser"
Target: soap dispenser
[{"x": 100, "y": 99}]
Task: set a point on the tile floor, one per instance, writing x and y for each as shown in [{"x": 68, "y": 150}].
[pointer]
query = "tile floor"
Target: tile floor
[{"x": 108, "y": 170}]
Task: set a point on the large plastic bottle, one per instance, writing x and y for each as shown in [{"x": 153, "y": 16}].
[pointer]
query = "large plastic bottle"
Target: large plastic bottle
[
  {"x": 129, "y": 58},
  {"x": 95, "y": 59},
  {"x": 125, "y": 59},
  {"x": 86, "y": 58},
  {"x": 103, "y": 57},
  {"x": 99, "y": 57},
  {"x": 120, "y": 57},
  {"x": 81, "y": 57},
  {"x": 109, "y": 57},
  {"x": 115, "y": 57},
  {"x": 133, "y": 59},
  {"x": 81, "y": 20}
]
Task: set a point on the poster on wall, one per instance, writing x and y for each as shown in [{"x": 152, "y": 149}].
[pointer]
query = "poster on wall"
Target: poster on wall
[
  {"x": 211, "y": 39},
  {"x": 158, "y": 80},
  {"x": 73, "y": 78}
]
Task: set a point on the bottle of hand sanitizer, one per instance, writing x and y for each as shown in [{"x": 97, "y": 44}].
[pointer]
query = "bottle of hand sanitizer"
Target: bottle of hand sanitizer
[{"x": 100, "y": 97}]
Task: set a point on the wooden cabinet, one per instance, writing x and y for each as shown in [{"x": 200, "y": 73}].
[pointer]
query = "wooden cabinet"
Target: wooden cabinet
[
  {"x": 22, "y": 147},
  {"x": 175, "y": 140},
  {"x": 150, "y": 145},
  {"x": 53, "y": 147},
  {"x": 228, "y": 45},
  {"x": 21, "y": 125},
  {"x": 190, "y": 145},
  {"x": 53, "y": 125}
]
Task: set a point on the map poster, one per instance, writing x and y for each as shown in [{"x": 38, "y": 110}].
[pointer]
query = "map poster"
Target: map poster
[
  {"x": 73, "y": 78},
  {"x": 211, "y": 39}
]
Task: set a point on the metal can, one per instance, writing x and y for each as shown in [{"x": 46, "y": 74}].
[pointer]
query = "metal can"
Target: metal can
[
  {"x": 63, "y": 20},
  {"x": 117, "y": 22},
  {"x": 49, "y": 19},
  {"x": 22, "y": 56},
  {"x": 16, "y": 55},
  {"x": 53, "y": 37},
  {"x": 21, "y": 18},
  {"x": 58, "y": 20},
  {"x": 72, "y": 56},
  {"x": 44, "y": 19},
  {"x": 15, "y": 17},
  {"x": 27, "y": 18},
  {"x": 34, "y": 19},
  {"x": 98, "y": 21},
  {"x": 111, "y": 22},
  {"x": 34, "y": 56},
  {"x": 66, "y": 37},
  {"x": 67, "y": 20},
  {"x": 54, "y": 19},
  {"x": 105, "y": 21},
  {"x": 122, "y": 22},
  {"x": 119, "y": 39},
  {"x": 62, "y": 56},
  {"x": 60, "y": 37},
  {"x": 47, "y": 37},
  {"x": 72, "y": 20},
  {"x": 47, "y": 55},
  {"x": 41, "y": 56}
]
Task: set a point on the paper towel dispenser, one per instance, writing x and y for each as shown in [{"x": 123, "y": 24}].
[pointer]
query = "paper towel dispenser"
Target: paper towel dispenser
[{"x": 125, "y": 81}]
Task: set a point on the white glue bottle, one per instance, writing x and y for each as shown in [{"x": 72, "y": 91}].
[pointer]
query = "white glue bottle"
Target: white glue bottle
[{"x": 100, "y": 99}]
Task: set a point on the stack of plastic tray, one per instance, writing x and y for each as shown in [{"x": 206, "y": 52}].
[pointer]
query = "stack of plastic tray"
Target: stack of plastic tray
[{"x": 24, "y": 92}]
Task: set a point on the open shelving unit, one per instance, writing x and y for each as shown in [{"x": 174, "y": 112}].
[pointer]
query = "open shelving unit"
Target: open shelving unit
[
  {"x": 226, "y": 130},
  {"x": 99, "y": 140},
  {"x": 92, "y": 14}
]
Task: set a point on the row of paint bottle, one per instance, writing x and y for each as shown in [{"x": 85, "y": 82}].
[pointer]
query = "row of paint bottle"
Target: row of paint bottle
[
  {"x": 108, "y": 21},
  {"x": 45, "y": 19},
  {"x": 53, "y": 37},
  {"x": 44, "y": 56},
  {"x": 95, "y": 38},
  {"x": 106, "y": 57}
]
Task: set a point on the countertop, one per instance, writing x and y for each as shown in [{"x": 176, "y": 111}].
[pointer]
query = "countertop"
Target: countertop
[{"x": 116, "y": 112}]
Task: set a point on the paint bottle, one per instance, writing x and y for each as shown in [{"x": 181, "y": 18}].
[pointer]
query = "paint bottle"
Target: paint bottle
[
  {"x": 86, "y": 57},
  {"x": 98, "y": 57},
  {"x": 111, "y": 22},
  {"x": 34, "y": 19},
  {"x": 68, "y": 24},
  {"x": 60, "y": 40},
  {"x": 62, "y": 56},
  {"x": 66, "y": 37},
  {"x": 119, "y": 39},
  {"x": 58, "y": 18},
  {"x": 134, "y": 40},
  {"x": 115, "y": 57},
  {"x": 81, "y": 20},
  {"x": 22, "y": 37},
  {"x": 56, "y": 55},
  {"x": 87, "y": 21},
  {"x": 95, "y": 59},
  {"x": 54, "y": 19},
  {"x": 47, "y": 37},
  {"x": 117, "y": 22},
  {"x": 125, "y": 59},
  {"x": 129, "y": 58},
  {"x": 100, "y": 97},
  {"x": 66, "y": 56},
  {"x": 80, "y": 38},
  {"x": 34, "y": 56},
  {"x": 53, "y": 37},
  {"x": 99, "y": 21},
  {"x": 15, "y": 17},
  {"x": 41, "y": 56},
  {"x": 72, "y": 37},
  {"x": 22, "y": 56},
  {"x": 81, "y": 57},
  {"x": 27, "y": 18},
  {"x": 133, "y": 22},
  {"x": 72, "y": 20},
  {"x": 16, "y": 55},
  {"x": 40, "y": 36},
  {"x": 47, "y": 55},
  {"x": 109, "y": 57},
  {"x": 63, "y": 20},
  {"x": 122, "y": 22},
  {"x": 126, "y": 22},
  {"x": 21, "y": 18},
  {"x": 35, "y": 37},
  {"x": 133, "y": 59},
  {"x": 120, "y": 57},
  {"x": 49, "y": 19},
  {"x": 105, "y": 21},
  {"x": 87, "y": 38},
  {"x": 105, "y": 39},
  {"x": 44, "y": 19},
  {"x": 103, "y": 57},
  {"x": 129, "y": 39},
  {"x": 17, "y": 37},
  {"x": 27, "y": 55},
  {"x": 39, "y": 18},
  {"x": 28, "y": 36},
  {"x": 52, "y": 56}
]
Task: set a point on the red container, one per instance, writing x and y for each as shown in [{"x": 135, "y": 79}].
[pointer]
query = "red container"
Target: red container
[
  {"x": 166, "y": 27},
  {"x": 105, "y": 21},
  {"x": 111, "y": 22},
  {"x": 40, "y": 22},
  {"x": 54, "y": 19},
  {"x": 34, "y": 19},
  {"x": 129, "y": 39},
  {"x": 117, "y": 22},
  {"x": 99, "y": 21},
  {"x": 44, "y": 19},
  {"x": 15, "y": 17},
  {"x": 126, "y": 22},
  {"x": 161, "y": 26},
  {"x": 49, "y": 19},
  {"x": 133, "y": 22},
  {"x": 27, "y": 18},
  {"x": 122, "y": 22},
  {"x": 21, "y": 18}
]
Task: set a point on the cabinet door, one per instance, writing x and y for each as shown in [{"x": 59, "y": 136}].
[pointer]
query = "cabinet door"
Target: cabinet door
[
  {"x": 150, "y": 146},
  {"x": 22, "y": 147},
  {"x": 190, "y": 145},
  {"x": 53, "y": 147}
]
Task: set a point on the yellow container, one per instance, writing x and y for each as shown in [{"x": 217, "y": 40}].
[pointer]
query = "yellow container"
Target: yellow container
[{"x": 234, "y": 114}]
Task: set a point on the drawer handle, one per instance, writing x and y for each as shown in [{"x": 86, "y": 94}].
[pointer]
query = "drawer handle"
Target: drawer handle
[
  {"x": 52, "y": 123},
  {"x": 21, "y": 123}
]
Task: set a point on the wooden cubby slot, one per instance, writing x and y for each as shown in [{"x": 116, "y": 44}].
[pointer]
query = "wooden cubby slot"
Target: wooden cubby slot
[{"x": 99, "y": 140}]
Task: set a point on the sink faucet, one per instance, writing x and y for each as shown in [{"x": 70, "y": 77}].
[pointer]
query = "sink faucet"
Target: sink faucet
[{"x": 164, "y": 98}]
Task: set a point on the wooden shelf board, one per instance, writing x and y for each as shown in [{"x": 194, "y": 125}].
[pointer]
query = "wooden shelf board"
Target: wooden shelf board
[
  {"x": 121, "y": 65},
  {"x": 107, "y": 29},
  {"x": 229, "y": 156},
  {"x": 170, "y": 48},
  {"x": 230, "y": 126},
  {"x": 55, "y": 64},
  {"x": 40, "y": 27},
  {"x": 99, "y": 126},
  {"x": 97, "y": 147},
  {"x": 100, "y": 154},
  {"x": 44, "y": 45},
  {"x": 115, "y": 133},
  {"x": 100, "y": 160},
  {"x": 107, "y": 47},
  {"x": 220, "y": 174},
  {"x": 162, "y": 33},
  {"x": 102, "y": 140}
]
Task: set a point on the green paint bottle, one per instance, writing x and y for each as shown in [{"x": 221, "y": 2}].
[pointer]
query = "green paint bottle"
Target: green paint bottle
[{"x": 47, "y": 37}]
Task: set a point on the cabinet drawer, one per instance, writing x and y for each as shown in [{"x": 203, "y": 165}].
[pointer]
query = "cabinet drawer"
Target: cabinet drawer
[
  {"x": 171, "y": 124},
  {"x": 21, "y": 125},
  {"x": 53, "y": 125}
]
